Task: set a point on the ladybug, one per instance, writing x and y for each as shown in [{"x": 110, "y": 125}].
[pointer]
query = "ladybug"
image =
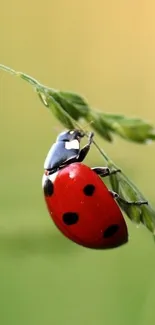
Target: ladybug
[{"x": 78, "y": 201}]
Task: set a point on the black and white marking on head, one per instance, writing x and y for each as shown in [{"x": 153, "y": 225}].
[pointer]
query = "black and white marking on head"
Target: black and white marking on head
[
  {"x": 70, "y": 218},
  {"x": 89, "y": 189},
  {"x": 74, "y": 144},
  {"x": 48, "y": 187},
  {"x": 110, "y": 231}
]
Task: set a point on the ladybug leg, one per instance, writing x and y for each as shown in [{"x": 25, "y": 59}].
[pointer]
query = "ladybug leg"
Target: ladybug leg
[
  {"x": 105, "y": 171},
  {"x": 84, "y": 151},
  {"x": 121, "y": 200}
]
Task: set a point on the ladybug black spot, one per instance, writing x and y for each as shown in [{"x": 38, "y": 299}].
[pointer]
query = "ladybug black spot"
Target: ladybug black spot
[
  {"x": 70, "y": 218},
  {"x": 89, "y": 189},
  {"x": 48, "y": 187},
  {"x": 110, "y": 231}
]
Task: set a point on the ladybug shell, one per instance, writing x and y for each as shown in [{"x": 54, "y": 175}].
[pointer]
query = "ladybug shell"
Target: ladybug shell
[{"x": 83, "y": 209}]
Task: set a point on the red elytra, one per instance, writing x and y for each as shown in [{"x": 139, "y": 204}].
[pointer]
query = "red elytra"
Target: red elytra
[{"x": 83, "y": 209}]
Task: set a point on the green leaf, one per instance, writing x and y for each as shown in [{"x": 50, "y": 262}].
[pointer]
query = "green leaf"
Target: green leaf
[
  {"x": 77, "y": 102},
  {"x": 99, "y": 125},
  {"x": 133, "y": 129},
  {"x": 128, "y": 191},
  {"x": 76, "y": 111},
  {"x": 57, "y": 110}
]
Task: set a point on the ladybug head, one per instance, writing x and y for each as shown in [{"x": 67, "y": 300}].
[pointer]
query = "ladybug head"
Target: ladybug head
[
  {"x": 70, "y": 135},
  {"x": 67, "y": 146}
]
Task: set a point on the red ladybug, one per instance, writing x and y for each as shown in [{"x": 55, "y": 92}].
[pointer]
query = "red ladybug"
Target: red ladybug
[{"x": 78, "y": 201}]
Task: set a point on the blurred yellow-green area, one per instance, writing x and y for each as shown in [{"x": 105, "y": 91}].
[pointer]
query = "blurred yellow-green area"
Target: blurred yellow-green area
[{"x": 103, "y": 50}]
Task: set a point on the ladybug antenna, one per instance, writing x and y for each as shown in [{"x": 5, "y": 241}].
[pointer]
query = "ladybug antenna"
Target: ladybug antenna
[{"x": 86, "y": 125}]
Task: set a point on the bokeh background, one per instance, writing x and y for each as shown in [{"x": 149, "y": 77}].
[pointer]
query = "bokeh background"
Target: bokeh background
[{"x": 105, "y": 51}]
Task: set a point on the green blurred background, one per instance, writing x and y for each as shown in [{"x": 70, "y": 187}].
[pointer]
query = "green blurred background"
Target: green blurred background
[{"x": 105, "y": 51}]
